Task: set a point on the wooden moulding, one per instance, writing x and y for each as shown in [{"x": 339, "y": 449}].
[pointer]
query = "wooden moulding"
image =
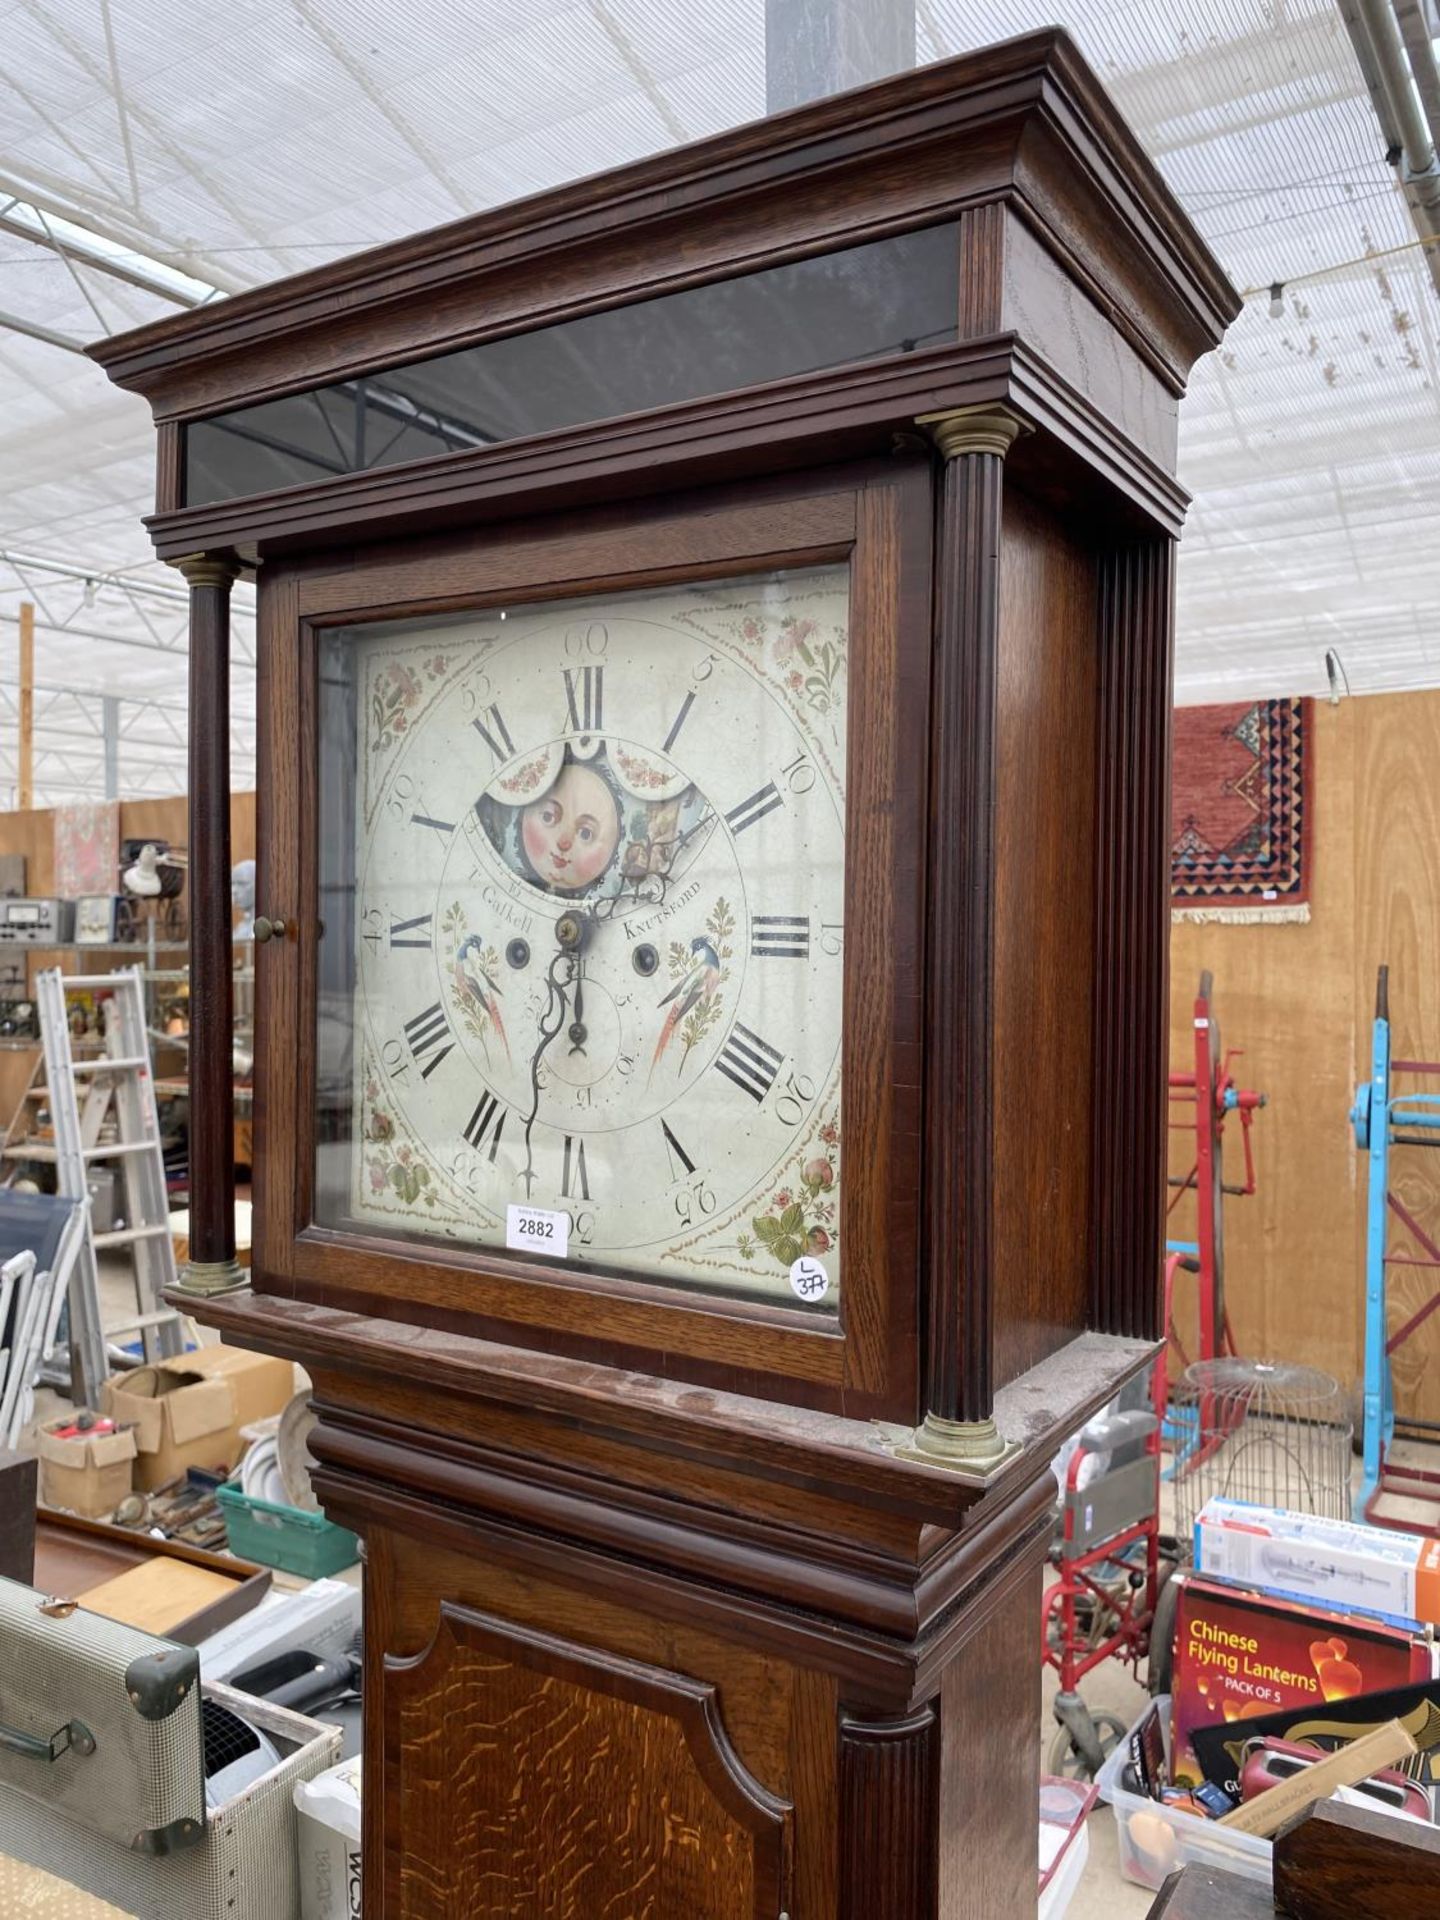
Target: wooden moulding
[
  {"x": 785, "y": 424},
  {"x": 892, "y": 1586},
  {"x": 762, "y": 1439},
  {"x": 1332, "y": 1862},
  {"x": 1337, "y": 1862},
  {"x": 877, "y": 1670},
  {"x": 1027, "y": 117},
  {"x": 1211, "y": 1893}
]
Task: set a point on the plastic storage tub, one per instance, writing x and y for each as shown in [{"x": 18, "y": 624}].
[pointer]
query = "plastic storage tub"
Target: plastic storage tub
[
  {"x": 286, "y": 1537},
  {"x": 1155, "y": 1841},
  {"x": 1055, "y": 1900}
]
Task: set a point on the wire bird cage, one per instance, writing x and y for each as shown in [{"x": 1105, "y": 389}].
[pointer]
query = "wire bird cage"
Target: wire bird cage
[{"x": 1267, "y": 1432}]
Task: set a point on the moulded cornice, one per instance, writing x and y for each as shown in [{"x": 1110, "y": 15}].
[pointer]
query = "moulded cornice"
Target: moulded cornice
[{"x": 904, "y": 152}]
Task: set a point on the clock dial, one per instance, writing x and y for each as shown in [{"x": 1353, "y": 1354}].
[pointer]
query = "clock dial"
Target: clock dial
[{"x": 583, "y": 870}]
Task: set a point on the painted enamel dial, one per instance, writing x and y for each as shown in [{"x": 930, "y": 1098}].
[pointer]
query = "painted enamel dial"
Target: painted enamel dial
[{"x": 593, "y": 952}]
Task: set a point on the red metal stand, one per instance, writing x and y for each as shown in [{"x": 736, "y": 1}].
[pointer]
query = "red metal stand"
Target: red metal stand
[{"x": 1204, "y": 1100}]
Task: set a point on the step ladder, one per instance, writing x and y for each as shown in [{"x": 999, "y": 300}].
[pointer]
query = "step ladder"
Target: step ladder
[{"x": 103, "y": 1109}]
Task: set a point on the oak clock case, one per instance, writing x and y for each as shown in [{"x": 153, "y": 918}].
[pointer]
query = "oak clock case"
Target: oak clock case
[
  {"x": 582, "y": 885},
  {"x": 839, "y": 446}
]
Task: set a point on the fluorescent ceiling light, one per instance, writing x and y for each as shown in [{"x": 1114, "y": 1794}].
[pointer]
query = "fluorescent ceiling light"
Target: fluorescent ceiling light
[{"x": 109, "y": 256}]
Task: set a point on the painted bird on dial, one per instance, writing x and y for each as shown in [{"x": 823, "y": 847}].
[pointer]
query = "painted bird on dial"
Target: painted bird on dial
[
  {"x": 475, "y": 983},
  {"x": 695, "y": 987}
]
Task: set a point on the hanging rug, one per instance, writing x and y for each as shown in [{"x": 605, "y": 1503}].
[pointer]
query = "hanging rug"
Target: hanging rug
[{"x": 1240, "y": 812}]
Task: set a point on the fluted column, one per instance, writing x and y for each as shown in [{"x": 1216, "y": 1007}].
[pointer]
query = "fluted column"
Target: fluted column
[
  {"x": 1132, "y": 931},
  {"x": 889, "y": 1811},
  {"x": 212, "y": 1266},
  {"x": 959, "y": 1111}
]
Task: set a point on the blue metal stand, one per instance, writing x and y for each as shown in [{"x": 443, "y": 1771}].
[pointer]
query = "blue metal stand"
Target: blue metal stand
[
  {"x": 1381, "y": 1121},
  {"x": 1180, "y": 1431},
  {"x": 1370, "y": 1118}
]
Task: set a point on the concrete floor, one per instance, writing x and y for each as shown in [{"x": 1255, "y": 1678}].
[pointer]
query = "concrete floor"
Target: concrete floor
[{"x": 1102, "y": 1894}]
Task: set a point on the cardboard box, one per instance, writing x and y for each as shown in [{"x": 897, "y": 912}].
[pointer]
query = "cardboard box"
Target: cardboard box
[
  {"x": 89, "y": 1473},
  {"x": 1339, "y": 1563},
  {"x": 1239, "y": 1655},
  {"x": 188, "y": 1412},
  {"x": 328, "y": 1834}
]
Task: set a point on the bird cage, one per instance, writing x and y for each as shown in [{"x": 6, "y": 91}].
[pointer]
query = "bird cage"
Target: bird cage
[{"x": 1263, "y": 1431}]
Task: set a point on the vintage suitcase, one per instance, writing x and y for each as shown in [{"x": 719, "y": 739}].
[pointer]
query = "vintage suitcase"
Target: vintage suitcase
[{"x": 121, "y": 1772}]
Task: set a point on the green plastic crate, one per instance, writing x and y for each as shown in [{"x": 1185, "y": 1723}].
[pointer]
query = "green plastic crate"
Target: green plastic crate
[{"x": 285, "y": 1537}]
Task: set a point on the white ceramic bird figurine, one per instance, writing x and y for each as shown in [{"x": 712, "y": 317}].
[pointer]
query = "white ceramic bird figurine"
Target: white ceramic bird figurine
[{"x": 143, "y": 879}]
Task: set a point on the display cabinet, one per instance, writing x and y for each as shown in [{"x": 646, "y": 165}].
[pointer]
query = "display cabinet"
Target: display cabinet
[{"x": 714, "y": 654}]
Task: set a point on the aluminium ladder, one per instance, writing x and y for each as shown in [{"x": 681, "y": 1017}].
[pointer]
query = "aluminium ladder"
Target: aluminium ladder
[{"x": 117, "y": 1086}]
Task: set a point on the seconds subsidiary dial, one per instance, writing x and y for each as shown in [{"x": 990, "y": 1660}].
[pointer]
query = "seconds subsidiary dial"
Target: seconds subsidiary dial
[{"x": 596, "y": 954}]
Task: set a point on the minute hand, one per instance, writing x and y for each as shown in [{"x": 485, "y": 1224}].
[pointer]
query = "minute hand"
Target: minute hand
[
  {"x": 551, "y": 1021},
  {"x": 571, "y": 932}
]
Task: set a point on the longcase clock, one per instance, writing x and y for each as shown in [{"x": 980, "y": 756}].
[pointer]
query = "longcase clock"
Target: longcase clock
[{"x": 714, "y": 678}]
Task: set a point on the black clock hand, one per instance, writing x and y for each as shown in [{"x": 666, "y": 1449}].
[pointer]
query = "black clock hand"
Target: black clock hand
[
  {"x": 550, "y": 1023},
  {"x": 577, "y": 1025},
  {"x": 571, "y": 932}
]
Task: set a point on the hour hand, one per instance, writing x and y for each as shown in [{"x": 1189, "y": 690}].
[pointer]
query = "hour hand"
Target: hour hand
[{"x": 578, "y": 1035}]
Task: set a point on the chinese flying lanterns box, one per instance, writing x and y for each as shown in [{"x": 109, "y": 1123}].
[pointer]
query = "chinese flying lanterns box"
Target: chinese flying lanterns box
[{"x": 1240, "y": 1654}]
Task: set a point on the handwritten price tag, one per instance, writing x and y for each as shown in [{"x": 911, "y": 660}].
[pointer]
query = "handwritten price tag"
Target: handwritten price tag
[
  {"x": 808, "y": 1279},
  {"x": 538, "y": 1230}
]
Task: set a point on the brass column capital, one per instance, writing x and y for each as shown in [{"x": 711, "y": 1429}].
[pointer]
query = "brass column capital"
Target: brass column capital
[
  {"x": 960, "y": 430},
  {"x": 202, "y": 1279},
  {"x": 976, "y": 1450},
  {"x": 208, "y": 570}
]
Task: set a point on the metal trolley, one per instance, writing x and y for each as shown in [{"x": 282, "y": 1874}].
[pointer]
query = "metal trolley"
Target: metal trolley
[{"x": 1384, "y": 1119}]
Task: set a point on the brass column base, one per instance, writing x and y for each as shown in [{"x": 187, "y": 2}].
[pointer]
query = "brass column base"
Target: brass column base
[
  {"x": 974, "y": 1448},
  {"x": 206, "y": 1277}
]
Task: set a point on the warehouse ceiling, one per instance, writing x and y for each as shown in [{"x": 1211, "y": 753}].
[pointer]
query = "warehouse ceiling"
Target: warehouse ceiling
[{"x": 156, "y": 154}]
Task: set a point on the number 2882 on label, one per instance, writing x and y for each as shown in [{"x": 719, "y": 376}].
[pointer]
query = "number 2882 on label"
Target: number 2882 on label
[{"x": 538, "y": 1230}]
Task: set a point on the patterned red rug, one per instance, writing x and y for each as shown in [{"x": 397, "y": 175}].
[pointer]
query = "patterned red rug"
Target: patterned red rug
[{"x": 1240, "y": 812}]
